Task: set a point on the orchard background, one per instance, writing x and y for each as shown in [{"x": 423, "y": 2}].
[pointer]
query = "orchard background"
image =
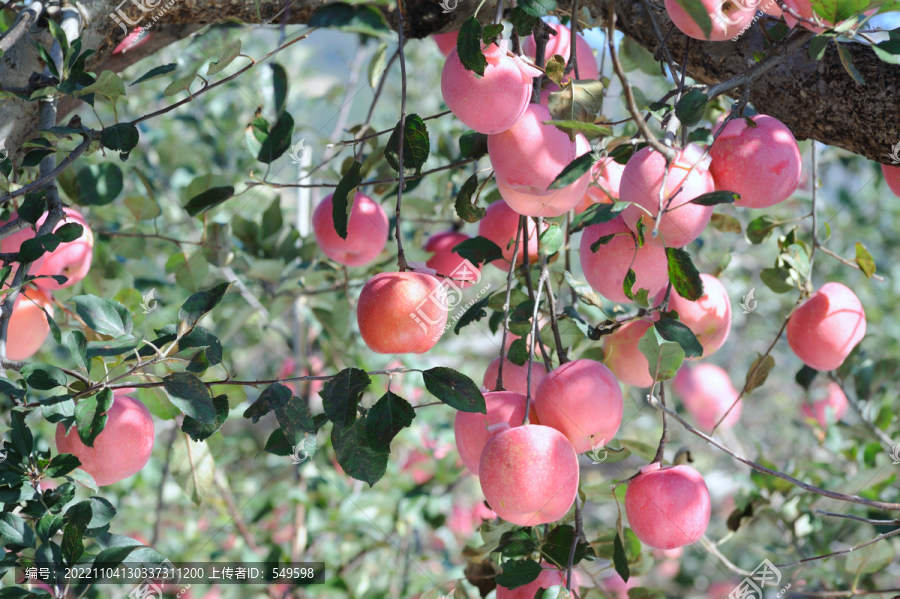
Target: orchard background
[{"x": 199, "y": 182}]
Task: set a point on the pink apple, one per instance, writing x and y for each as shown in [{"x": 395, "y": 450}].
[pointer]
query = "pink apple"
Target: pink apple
[
  {"x": 641, "y": 182},
  {"x": 833, "y": 400},
  {"x": 447, "y": 262},
  {"x": 624, "y": 358},
  {"x": 606, "y": 177},
  {"x": 121, "y": 450},
  {"x": 500, "y": 225},
  {"x": 668, "y": 507},
  {"x": 892, "y": 177},
  {"x": 529, "y": 474},
  {"x": 707, "y": 393},
  {"x": 12, "y": 243},
  {"x": 825, "y": 328},
  {"x": 582, "y": 399},
  {"x": 709, "y": 317},
  {"x": 606, "y": 269},
  {"x": 28, "y": 326},
  {"x": 492, "y": 103},
  {"x": 547, "y": 578},
  {"x": 471, "y": 429},
  {"x": 446, "y": 42},
  {"x": 515, "y": 377},
  {"x": 761, "y": 163},
  {"x": 617, "y": 587},
  {"x": 72, "y": 260},
  {"x": 771, "y": 7},
  {"x": 728, "y": 19},
  {"x": 367, "y": 231},
  {"x": 133, "y": 40},
  {"x": 402, "y": 312},
  {"x": 561, "y": 44}
]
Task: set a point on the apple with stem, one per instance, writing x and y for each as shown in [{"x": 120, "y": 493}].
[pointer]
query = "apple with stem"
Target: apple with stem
[
  {"x": 825, "y": 328},
  {"x": 367, "y": 231}
]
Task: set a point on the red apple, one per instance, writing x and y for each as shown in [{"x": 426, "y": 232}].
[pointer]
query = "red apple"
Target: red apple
[
  {"x": 547, "y": 578},
  {"x": 624, "y": 358},
  {"x": 367, "y": 231},
  {"x": 707, "y": 393},
  {"x": 446, "y": 42},
  {"x": 447, "y": 262},
  {"x": 892, "y": 177},
  {"x": 825, "y": 328},
  {"x": 72, "y": 260},
  {"x": 28, "y": 326},
  {"x": 668, "y": 507},
  {"x": 402, "y": 312},
  {"x": 709, "y": 317},
  {"x": 833, "y": 400},
  {"x": 728, "y": 19},
  {"x": 471, "y": 429},
  {"x": 617, "y": 587}
]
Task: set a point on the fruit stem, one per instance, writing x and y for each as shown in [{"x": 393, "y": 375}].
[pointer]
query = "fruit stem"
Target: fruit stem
[
  {"x": 401, "y": 257},
  {"x": 509, "y": 276}
]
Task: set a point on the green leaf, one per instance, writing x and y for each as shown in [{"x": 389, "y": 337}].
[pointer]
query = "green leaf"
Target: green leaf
[
  {"x": 297, "y": 424},
  {"x": 198, "y": 305},
  {"x": 14, "y": 531},
  {"x": 517, "y": 573},
  {"x": 472, "y": 144},
  {"x": 777, "y": 279},
  {"x": 725, "y": 223},
  {"x": 104, "y": 316},
  {"x": 864, "y": 260},
  {"x": 193, "y": 468},
  {"x": 573, "y": 171},
  {"x": 34, "y": 248},
  {"x": 377, "y": 65},
  {"x": 90, "y": 415},
  {"x": 537, "y": 8},
  {"x": 468, "y": 46},
  {"x": 700, "y": 15},
  {"x": 155, "y": 72},
  {"x": 684, "y": 275},
  {"x": 356, "y": 18},
  {"x": 870, "y": 559},
  {"x": 199, "y": 431},
  {"x": 272, "y": 398},
  {"x": 454, "y": 389},
  {"x": 596, "y": 215},
  {"x": 847, "y": 61},
  {"x": 797, "y": 258},
  {"x": 817, "y": 46},
  {"x": 355, "y": 455},
  {"x": 280, "y": 88},
  {"x": 518, "y": 352},
  {"x": 522, "y": 21},
  {"x": 69, "y": 232},
  {"x": 43, "y": 377},
  {"x": 551, "y": 240},
  {"x": 689, "y": 109},
  {"x": 142, "y": 208},
  {"x": 571, "y": 331},
  {"x": 108, "y": 84},
  {"x": 888, "y": 51},
  {"x": 620, "y": 559},
  {"x": 663, "y": 357},
  {"x": 491, "y": 31},
  {"x": 584, "y": 291},
  {"x": 558, "y": 544},
  {"x": 98, "y": 184},
  {"x": 467, "y": 210},
  {"x": 564, "y": 126},
  {"x": 191, "y": 396},
  {"x": 62, "y": 464},
  {"x": 479, "y": 250},
  {"x": 208, "y": 199},
  {"x": 554, "y": 69},
  {"x": 344, "y": 195},
  {"x": 341, "y": 396},
  {"x": 21, "y": 437},
  {"x": 180, "y": 85},
  {"x": 580, "y": 100},
  {"x": 474, "y": 313},
  {"x": 645, "y": 593},
  {"x": 715, "y": 198},
  {"x": 675, "y": 330},
  {"x": 759, "y": 229},
  {"x": 805, "y": 376},
  {"x": 77, "y": 518},
  {"x": 762, "y": 366},
  {"x": 123, "y": 137},
  {"x": 226, "y": 57},
  {"x": 416, "y": 146},
  {"x": 386, "y": 419},
  {"x": 277, "y": 140}
]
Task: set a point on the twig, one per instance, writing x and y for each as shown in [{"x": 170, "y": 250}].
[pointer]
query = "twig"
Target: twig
[
  {"x": 46, "y": 177},
  {"x": 364, "y": 183},
  {"x": 23, "y": 23},
  {"x": 882, "y": 436},
  {"x": 664, "y": 438},
  {"x": 828, "y": 252},
  {"x": 160, "y": 499},
  {"x": 843, "y": 551},
  {"x": 858, "y": 519},
  {"x": 401, "y": 258},
  {"x": 509, "y": 277},
  {"x": 572, "y": 64},
  {"x": 776, "y": 55},
  {"x": 541, "y": 35},
  {"x": 713, "y": 549},
  {"x": 579, "y": 534},
  {"x": 534, "y": 331}
]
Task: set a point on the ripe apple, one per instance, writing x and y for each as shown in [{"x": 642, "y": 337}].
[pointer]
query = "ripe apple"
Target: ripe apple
[
  {"x": 825, "y": 328},
  {"x": 668, "y": 507},
  {"x": 471, "y": 429},
  {"x": 121, "y": 450},
  {"x": 72, "y": 260},
  {"x": 402, "y": 312},
  {"x": 761, "y": 163},
  {"x": 617, "y": 587},
  {"x": 624, "y": 358},
  {"x": 28, "y": 326},
  {"x": 515, "y": 377},
  {"x": 728, "y": 19},
  {"x": 606, "y": 176},
  {"x": 834, "y": 400},
  {"x": 707, "y": 393},
  {"x": 447, "y": 262},
  {"x": 561, "y": 44},
  {"x": 492, "y": 103},
  {"x": 500, "y": 225},
  {"x": 641, "y": 181},
  {"x": 367, "y": 231},
  {"x": 892, "y": 177},
  {"x": 12, "y": 243},
  {"x": 547, "y": 578},
  {"x": 446, "y": 42},
  {"x": 529, "y": 474},
  {"x": 582, "y": 399},
  {"x": 771, "y": 7},
  {"x": 709, "y": 317},
  {"x": 606, "y": 269}
]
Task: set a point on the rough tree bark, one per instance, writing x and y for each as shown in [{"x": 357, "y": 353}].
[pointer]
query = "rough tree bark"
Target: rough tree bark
[{"x": 817, "y": 100}]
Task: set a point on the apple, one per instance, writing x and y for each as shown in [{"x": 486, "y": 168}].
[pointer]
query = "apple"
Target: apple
[
  {"x": 583, "y": 400},
  {"x": 547, "y": 578},
  {"x": 761, "y": 163},
  {"x": 493, "y": 103},
  {"x": 121, "y": 450},
  {"x": 28, "y": 326},
  {"x": 529, "y": 474},
  {"x": 617, "y": 587},
  {"x": 367, "y": 231},
  {"x": 402, "y": 312},
  {"x": 72, "y": 260},
  {"x": 133, "y": 40},
  {"x": 707, "y": 393},
  {"x": 729, "y": 18},
  {"x": 668, "y": 507},
  {"x": 500, "y": 225},
  {"x": 515, "y": 377},
  {"x": 12, "y": 243},
  {"x": 825, "y": 328},
  {"x": 834, "y": 400},
  {"x": 471, "y": 429},
  {"x": 641, "y": 181},
  {"x": 771, "y": 7},
  {"x": 892, "y": 177},
  {"x": 561, "y": 44},
  {"x": 709, "y": 317},
  {"x": 606, "y": 269},
  {"x": 446, "y": 42},
  {"x": 624, "y": 358},
  {"x": 447, "y": 262}
]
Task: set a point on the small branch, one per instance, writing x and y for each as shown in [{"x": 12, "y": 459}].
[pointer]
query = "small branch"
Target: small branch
[
  {"x": 880, "y": 434},
  {"x": 713, "y": 549},
  {"x": 828, "y": 252},
  {"x": 579, "y": 533},
  {"x": 858, "y": 519},
  {"x": 28, "y": 17},
  {"x": 364, "y": 183},
  {"x": 541, "y": 35},
  {"x": 841, "y": 552},
  {"x": 45, "y": 178},
  {"x": 160, "y": 500},
  {"x": 664, "y": 438},
  {"x": 401, "y": 257},
  {"x": 572, "y": 64},
  {"x": 534, "y": 331},
  {"x": 357, "y": 140},
  {"x": 509, "y": 277}
]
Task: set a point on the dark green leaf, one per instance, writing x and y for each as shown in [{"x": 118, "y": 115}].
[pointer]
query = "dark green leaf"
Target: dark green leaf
[
  {"x": 198, "y": 305},
  {"x": 689, "y": 109},
  {"x": 465, "y": 209},
  {"x": 490, "y": 32},
  {"x": 104, "y": 316},
  {"x": 777, "y": 279},
  {"x": 341, "y": 395},
  {"x": 355, "y": 455},
  {"x": 191, "y": 396},
  {"x": 573, "y": 171},
  {"x": 684, "y": 275},
  {"x": 277, "y": 140},
  {"x": 888, "y": 51},
  {"x": 33, "y": 208},
  {"x": 454, "y": 389},
  {"x": 759, "y": 229},
  {"x": 468, "y": 46},
  {"x": 675, "y": 330},
  {"x": 272, "y": 398},
  {"x": 20, "y": 435},
  {"x": 155, "y": 72},
  {"x": 416, "y": 146},
  {"x": 558, "y": 544},
  {"x": 123, "y": 137},
  {"x": 297, "y": 424},
  {"x": 208, "y": 199},
  {"x": 474, "y": 313},
  {"x": 280, "y": 87},
  {"x": 344, "y": 195},
  {"x": 817, "y": 46},
  {"x": 98, "y": 184},
  {"x": 596, "y": 215},
  {"x": 198, "y": 431},
  {"x": 62, "y": 464},
  {"x": 386, "y": 419},
  {"x": 472, "y": 145},
  {"x": 69, "y": 232},
  {"x": 628, "y": 284},
  {"x": 517, "y": 573},
  {"x": 518, "y": 352},
  {"x": 356, "y": 18},
  {"x": 34, "y": 248},
  {"x": 43, "y": 376},
  {"x": 77, "y": 518},
  {"x": 805, "y": 376},
  {"x": 714, "y": 198},
  {"x": 14, "y": 531},
  {"x": 90, "y": 415},
  {"x": 620, "y": 559},
  {"x": 522, "y": 21}
]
